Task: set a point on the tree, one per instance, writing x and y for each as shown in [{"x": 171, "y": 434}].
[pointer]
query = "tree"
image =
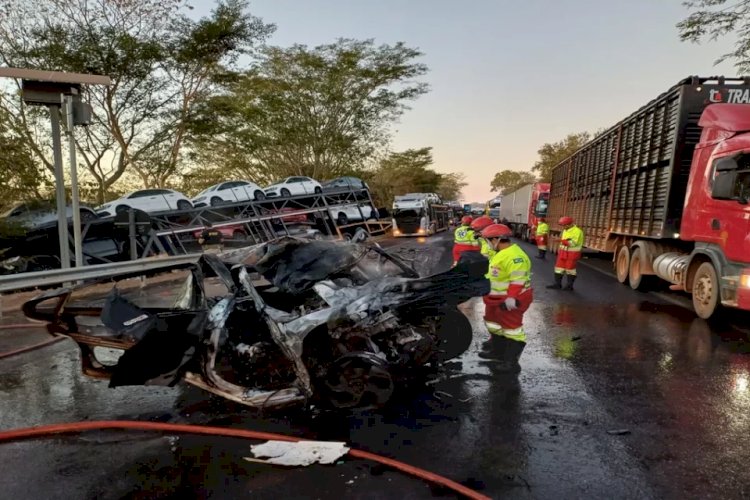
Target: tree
[
  {"x": 450, "y": 186},
  {"x": 409, "y": 172},
  {"x": 21, "y": 177},
  {"x": 552, "y": 154},
  {"x": 711, "y": 20},
  {"x": 320, "y": 112},
  {"x": 509, "y": 180},
  {"x": 160, "y": 61}
]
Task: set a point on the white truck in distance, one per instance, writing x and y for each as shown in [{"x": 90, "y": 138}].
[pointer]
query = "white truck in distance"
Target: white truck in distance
[{"x": 419, "y": 214}]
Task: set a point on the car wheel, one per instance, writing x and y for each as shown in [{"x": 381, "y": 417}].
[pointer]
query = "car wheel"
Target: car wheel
[
  {"x": 285, "y": 192},
  {"x": 260, "y": 195},
  {"x": 215, "y": 201},
  {"x": 239, "y": 236},
  {"x": 184, "y": 205},
  {"x": 342, "y": 219},
  {"x": 121, "y": 208},
  {"x": 318, "y": 190}
]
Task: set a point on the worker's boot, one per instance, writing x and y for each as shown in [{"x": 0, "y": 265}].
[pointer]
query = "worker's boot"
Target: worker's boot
[
  {"x": 542, "y": 254},
  {"x": 557, "y": 285},
  {"x": 509, "y": 352},
  {"x": 570, "y": 281},
  {"x": 489, "y": 348}
]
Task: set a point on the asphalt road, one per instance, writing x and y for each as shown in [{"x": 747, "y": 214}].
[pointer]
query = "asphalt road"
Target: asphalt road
[{"x": 622, "y": 395}]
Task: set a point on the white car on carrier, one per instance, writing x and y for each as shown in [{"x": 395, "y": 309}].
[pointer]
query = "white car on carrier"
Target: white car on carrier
[
  {"x": 229, "y": 192},
  {"x": 293, "y": 186},
  {"x": 148, "y": 200}
]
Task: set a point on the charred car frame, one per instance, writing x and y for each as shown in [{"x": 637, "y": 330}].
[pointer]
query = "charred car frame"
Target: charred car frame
[{"x": 336, "y": 323}]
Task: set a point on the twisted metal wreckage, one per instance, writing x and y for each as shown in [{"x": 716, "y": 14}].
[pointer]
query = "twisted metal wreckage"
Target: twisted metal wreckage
[{"x": 332, "y": 322}]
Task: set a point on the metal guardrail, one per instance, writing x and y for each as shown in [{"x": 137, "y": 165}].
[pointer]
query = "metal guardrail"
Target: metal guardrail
[{"x": 37, "y": 279}]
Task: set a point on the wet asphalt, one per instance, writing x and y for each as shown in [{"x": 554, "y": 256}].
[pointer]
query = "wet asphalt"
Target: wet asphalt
[{"x": 622, "y": 394}]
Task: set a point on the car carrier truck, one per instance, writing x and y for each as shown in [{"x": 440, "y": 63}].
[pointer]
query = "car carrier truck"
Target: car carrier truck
[
  {"x": 419, "y": 214},
  {"x": 524, "y": 207},
  {"x": 666, "y": 191}
]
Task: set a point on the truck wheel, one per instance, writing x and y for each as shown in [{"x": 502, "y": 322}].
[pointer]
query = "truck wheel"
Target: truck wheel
[
  {"x": 622, "y": 264},
  {"x": 637, "y": 280},
  {"x": 705, "y": 291}
]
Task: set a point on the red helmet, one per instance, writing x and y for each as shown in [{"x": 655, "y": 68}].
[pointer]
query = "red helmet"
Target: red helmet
[
  {"x": 497, "y": 231},
  {"x": 564, "y": 221},
  {"x": 481, "y": 222},
  {"x": 466, "y": 220}
]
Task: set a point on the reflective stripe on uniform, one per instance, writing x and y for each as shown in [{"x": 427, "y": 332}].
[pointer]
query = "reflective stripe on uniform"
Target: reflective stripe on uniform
[
  {"x": 464, "y": 236},
  {"x": 493, "y": 327},
  {"x": 517, "y": 334}
]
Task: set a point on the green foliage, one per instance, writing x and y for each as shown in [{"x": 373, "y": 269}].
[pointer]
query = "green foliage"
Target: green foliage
[
  {"x": 450, "y": 186},
  {"x": 161, "y": 63},
  {"x": 321, "y": 112},
  {"x": 507, "y": 181},
  {"x": 551, "y": 154},
  {"x": 714, "y": 19},
  {"x": 21, "y": 177},
  {"x": 409, "y": 172}
]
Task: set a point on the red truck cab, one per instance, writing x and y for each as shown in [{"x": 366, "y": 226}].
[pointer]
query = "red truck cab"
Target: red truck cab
[
  {"x": 538, "y": 206},
  {"x": 716, "y": 214}
]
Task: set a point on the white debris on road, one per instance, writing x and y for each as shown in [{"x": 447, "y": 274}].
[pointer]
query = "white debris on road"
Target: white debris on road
[{"x": 301, "y": 453}]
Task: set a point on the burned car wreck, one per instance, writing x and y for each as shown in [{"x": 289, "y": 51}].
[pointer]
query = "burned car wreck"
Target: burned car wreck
[{"x": 282, "y": 323}]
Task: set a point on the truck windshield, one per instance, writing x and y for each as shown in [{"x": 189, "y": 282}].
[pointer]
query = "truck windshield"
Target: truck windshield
[{"x": 541, "y": 205}]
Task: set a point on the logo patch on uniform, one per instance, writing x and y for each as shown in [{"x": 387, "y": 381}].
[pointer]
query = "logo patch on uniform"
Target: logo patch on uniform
[
  {"x": 518, "y": 260},
  {"x": 495, "y": 272}
]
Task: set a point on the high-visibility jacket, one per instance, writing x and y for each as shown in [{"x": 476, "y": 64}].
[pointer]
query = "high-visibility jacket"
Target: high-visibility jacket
[
  {"x": 485, "y": 249},
  {"x": 542, "y": 229},
  {"x": 464, "y": 235},
  {"x": 571, "y": 240},
  {"x": 510, "y": 272}
]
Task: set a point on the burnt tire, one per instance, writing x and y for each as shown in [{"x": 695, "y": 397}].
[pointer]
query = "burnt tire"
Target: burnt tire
[
  {"x": 706, "y": 292},
  {"x": 259, "y": 195},
  {"x": 216, "y": 201},
  {"x": 285, "y": 192},
  {"x": 454, "y": 335},
  {"x": 184, "y": 205},
  {"x": 342, "y": 219},
  {"x": 318, "y": 190},
  {"x": 358, "y": 380}
]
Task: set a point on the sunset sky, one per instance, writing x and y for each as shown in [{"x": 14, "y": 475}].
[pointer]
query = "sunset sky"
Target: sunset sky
[{"x": 506, "y": 76}]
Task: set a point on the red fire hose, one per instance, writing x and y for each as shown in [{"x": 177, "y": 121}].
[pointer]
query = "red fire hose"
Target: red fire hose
[{"x": 77, "y": 427}]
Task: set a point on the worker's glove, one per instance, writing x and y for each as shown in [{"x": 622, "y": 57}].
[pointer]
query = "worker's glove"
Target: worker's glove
[
  {"x": 565, "y": 243},
  {"x": 510, "y": 304}
]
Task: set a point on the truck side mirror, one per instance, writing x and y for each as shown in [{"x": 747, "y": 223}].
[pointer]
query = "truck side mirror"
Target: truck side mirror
[{"x": 723, "y": 188}]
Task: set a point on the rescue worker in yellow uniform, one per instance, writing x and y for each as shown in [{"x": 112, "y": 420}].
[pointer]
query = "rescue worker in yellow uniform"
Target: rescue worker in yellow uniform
[
  {"x": 510, "y": 296},
  {"x": 477, "y": 226},
  {"x": 568, "y": 255},
  {"x": 542, "y": 233},
  {"x": 464, "y": 239}
]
